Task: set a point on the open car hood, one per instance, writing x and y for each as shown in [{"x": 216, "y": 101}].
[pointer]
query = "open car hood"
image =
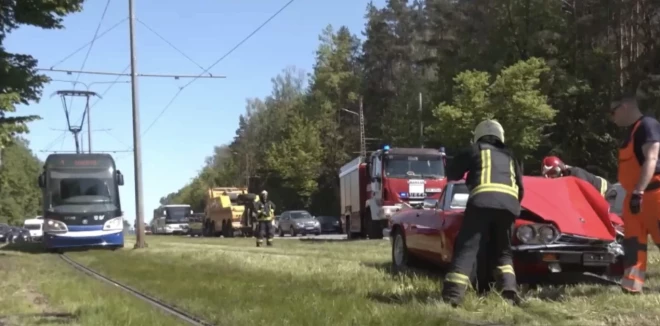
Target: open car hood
[{"x": 573, "y": 205}]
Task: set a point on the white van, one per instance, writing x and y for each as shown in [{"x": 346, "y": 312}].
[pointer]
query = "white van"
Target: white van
[{"x": 35, "y": 226}]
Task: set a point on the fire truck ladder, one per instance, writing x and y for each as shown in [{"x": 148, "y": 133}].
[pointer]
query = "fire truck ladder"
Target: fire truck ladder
[{"x": 75, "y": 129}]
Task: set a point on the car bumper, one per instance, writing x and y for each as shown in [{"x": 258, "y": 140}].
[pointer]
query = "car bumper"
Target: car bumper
[
  {"x": 559, "y": 257},
  {"x": 307, "y": 230},
  {"x": 331, "y": 229},
  {"x": 68, "y": 241}
]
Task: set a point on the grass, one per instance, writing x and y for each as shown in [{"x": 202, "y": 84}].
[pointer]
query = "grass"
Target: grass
[
  {"x": 40, "y": 289},
  {"x": 231, "y": 282}
]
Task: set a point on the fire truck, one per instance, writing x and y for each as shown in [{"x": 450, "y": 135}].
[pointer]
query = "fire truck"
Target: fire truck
[{"x": 372, "y": 189}]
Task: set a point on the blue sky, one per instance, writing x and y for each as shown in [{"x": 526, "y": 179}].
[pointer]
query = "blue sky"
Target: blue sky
[{"x": 206, "y": 113}]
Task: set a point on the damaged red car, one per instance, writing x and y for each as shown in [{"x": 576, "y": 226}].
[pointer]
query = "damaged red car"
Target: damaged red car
[{"x": 565, "y": 227}]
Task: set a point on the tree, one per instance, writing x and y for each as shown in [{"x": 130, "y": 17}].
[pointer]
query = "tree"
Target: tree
[
  {"x": 20, "y": 195},
  {"x": 513, "y": 98},
  {"x": 19, "y": 81}
]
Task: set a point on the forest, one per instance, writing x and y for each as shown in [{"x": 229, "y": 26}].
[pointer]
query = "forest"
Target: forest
[{"x": 547, "y": 70}]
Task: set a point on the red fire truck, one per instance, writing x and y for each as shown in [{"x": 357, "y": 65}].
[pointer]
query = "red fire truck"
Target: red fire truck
[{"x": 372, "y": 190}]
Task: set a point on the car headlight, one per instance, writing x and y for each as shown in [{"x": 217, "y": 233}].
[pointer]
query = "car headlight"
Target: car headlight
[
  {"x": 299, "y": 224},
  {"x": 547, "y": 234},
  {"x": 53, "y": 226},
  {"x": 116, "y": 223},
  {"x": 525, "y": 233}
]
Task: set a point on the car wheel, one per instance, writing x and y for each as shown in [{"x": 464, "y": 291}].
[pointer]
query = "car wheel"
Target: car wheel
[
  {"x": 292, "y": 232},
  {"x": 281, "y": 233},
  {"x": 401, "y": 259},
  {"x": 317, "y": 233}
]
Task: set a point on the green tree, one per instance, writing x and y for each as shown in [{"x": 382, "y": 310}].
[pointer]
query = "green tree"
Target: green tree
[
  {"x": 514, "y": 99},
  {"x": 20, "y": 195},
  {"x": 19, "y": 81}
]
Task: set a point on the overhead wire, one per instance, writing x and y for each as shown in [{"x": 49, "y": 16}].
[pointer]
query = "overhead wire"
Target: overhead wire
[
  {"x": 54, "y": 141},
  {"x": 89, "y": 49},
  {"x": 167, "y": 106},
  {"x": 169, "y": 43},
  {"x": 89, "y": 43}
]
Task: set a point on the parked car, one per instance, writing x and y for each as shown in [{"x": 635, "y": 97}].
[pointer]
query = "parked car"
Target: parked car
[
  {"x": 571, "y": 232},
  {"x": 18, "y": 235},
  {"x": 5, "y": 231},
  {"x": 330, "y": 224},
  {"x": 298, "y": 222}
]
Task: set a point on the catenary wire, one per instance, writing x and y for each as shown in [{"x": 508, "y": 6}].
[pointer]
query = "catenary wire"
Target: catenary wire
[
  {"x": 170, "y": 44},
  {"x": 167, "y": 106},
  {"x": 89, "y": 49},
  {"x": 88, "y": 43}
]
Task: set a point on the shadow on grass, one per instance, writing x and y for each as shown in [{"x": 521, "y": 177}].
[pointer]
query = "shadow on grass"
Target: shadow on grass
[
  {"x": 38, "y": 248},
  {"x": 45, "y": 318}
]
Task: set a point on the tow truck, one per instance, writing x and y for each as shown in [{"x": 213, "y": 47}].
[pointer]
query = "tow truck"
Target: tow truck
[{"x": 375, "y": 187}]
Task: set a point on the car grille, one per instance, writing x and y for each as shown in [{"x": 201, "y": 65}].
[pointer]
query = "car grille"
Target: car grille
[
  {"x": 578, "y": 240},
  {"x": 309, "y": 224}
]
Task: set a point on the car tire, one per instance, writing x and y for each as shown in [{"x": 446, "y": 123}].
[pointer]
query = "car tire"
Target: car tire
[
  {"x": 317, "y": 233},
  {"x": 402, "y": 261},
  {"x": 292, "y": 232},
  {"x": 281, "y": 233}
]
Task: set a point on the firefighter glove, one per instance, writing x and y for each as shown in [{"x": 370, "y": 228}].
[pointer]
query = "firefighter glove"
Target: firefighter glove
[{"x": 635, "y": 203}]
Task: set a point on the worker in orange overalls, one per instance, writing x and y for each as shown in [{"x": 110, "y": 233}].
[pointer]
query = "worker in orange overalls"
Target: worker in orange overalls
[{"x": 639, "y": 175}]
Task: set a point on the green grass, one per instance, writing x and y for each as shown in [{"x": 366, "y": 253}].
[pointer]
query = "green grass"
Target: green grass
[
  {"x": 231, "y": 282},
  {"x": 33, "y": 285}
]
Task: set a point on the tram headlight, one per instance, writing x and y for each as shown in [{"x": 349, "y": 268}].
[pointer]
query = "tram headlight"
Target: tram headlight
[
  {"x": 116, "y": 223},
  {"x": 53, "y": 226}
]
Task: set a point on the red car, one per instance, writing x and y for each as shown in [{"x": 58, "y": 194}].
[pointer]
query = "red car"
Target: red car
[{"x": 565, "y": 226}]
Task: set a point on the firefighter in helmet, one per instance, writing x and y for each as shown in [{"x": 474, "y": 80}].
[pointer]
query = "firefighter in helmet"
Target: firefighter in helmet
[
  {"x": 553, "y": 167},
  {"x": 495, "y": 182},
  {"x": 265, "y": 213}
]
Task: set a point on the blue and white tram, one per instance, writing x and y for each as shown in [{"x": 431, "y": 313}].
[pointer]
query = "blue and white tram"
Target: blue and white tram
[{"x": 81, "y": 205}]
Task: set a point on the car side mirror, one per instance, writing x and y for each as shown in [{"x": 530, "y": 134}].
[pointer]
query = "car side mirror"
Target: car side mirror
[
  {"x": 120, "y": 178},
  {"x": 430, "y": 203},
  {"x": 42, "y": 180}
]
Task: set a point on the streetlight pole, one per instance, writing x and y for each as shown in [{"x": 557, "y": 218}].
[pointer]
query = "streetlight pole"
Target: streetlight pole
[
  {"x": 137, "y": 147},
  {"x": 363, "y": 139}
]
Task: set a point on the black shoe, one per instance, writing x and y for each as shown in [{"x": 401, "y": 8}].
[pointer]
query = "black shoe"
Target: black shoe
[{"x": 512, "y": 297}]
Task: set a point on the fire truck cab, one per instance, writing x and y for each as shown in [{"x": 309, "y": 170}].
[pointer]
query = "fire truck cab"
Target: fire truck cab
[{"x": 372, "y": 190}]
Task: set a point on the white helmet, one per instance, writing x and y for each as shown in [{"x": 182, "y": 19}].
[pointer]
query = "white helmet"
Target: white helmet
[
  {"x": 264, "y": 193},
  {"x": 489, "y": 128}
]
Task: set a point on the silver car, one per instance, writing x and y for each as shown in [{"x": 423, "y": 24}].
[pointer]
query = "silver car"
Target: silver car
[{"x": 298, "y": 222}]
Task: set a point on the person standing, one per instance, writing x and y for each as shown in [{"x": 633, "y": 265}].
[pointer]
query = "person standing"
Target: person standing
[
  {"x": 265, "y": 214},
  {"x": 639, "y": 175},
  {"x": 494, "y": 179}
]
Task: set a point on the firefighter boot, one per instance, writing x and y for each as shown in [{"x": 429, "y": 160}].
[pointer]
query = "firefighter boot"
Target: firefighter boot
[
  {"x": 269, "y": 242},
  {"x": 506, "y": 281},
  {"x": 454, "y": 287},
  {"x": 259, "y": 242}
]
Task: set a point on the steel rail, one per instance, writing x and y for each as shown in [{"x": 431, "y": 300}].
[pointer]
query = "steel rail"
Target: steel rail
[{"x": 174, "y": 311}]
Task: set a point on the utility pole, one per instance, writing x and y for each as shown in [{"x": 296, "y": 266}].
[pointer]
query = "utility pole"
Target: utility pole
[
  {"x": 137, "y": 150},
  {"x": 421, "y": 122},
  {"x": 363, "y": 141}
]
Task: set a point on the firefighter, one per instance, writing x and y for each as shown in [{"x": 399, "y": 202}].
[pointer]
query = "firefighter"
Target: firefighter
[
  {"x": 553, "y": 167},
  {"x": 495, "y": 182},
  {"x": 639, "y": 175},
  {"x": 265, "y": 214}
]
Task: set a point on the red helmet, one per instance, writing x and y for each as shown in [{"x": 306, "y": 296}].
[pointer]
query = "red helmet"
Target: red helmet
[{"x": 552, "y": 167}]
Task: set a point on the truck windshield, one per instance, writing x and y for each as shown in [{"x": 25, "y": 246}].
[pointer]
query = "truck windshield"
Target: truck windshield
[
  {"x": 428, "y": 167},
  {"x": 32, "y": 226},
  {"x": 177, "y": 214},
  {"x": 82, "y": 187}
]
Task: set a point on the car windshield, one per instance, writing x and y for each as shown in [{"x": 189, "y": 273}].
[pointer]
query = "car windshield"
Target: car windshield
[
  {"x": 300, "y": 215},
  {"x": 32, "y": 226},
  {"x": 177, "y": 214},
  {"x": 428, "y": 167},
  {"x": 82, "y": 187},
  {"x": 459, "y": 196}
]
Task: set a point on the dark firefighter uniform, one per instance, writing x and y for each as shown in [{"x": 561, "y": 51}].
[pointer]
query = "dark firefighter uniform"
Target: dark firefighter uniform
[
  {"x": 646, "y": 221},
  {"x": 598, "y": 182},
  {"x": 265, "y": 214},
  {"x": 495, "y": 183}
]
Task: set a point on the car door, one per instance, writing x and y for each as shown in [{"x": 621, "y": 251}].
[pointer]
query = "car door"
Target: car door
[
  {"x": 453, "y": 212},
  {"x": 285, "y": 223}
]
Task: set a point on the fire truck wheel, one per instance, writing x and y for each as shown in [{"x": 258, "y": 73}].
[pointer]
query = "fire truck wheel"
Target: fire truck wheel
[{"x": 375, "y": 229}]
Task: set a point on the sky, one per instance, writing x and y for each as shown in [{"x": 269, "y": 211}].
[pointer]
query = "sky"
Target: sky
[{"x": 206, "y": 113}]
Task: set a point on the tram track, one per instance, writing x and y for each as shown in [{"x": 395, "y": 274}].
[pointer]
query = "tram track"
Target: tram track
[{"x": 167, "y": 308}]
